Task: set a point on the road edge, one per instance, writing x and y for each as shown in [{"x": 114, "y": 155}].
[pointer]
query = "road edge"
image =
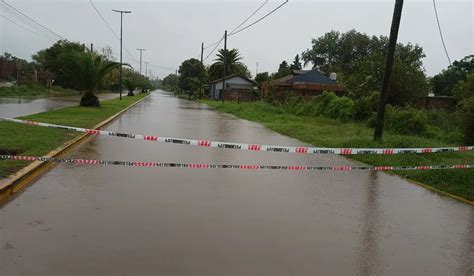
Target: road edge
[
  {"x": 22, "y": 178},
  {"x": 426, "y": 186}
]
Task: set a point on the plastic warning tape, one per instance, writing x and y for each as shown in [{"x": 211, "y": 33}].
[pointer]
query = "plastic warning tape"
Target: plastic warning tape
[
  {"x": 250, "y": 147},
  {"x": 227, "y": 166}
]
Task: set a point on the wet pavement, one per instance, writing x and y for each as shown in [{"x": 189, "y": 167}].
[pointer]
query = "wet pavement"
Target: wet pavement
[
  {"x": 135, "y": 221},
  {"x": 16, "y": 107}
]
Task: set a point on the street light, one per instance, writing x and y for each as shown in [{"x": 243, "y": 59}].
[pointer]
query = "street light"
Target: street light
[
  {"x": 141, "y": 50},
  {"x": 121, "y": 20}
]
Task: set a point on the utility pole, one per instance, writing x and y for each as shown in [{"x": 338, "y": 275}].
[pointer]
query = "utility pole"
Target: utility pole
[
  {"x": 146, "y": 67},
  {"x": 256, "y": 70},
  {"x": 202, "y": 51},
  {"x": 92, "y": 47},
  {"x": 225, "y": 64},
  {"x": 392, "y": 43},
  {"x": 141, "y": 50},
  {"x": 121, "y": 36}
]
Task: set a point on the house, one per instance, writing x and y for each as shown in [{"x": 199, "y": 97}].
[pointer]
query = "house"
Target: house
[
  {"x": 306, "y": 83},
  {"x": 237, "y": 87}
]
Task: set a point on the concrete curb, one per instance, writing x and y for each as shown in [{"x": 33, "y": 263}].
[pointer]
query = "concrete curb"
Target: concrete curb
[
  {"x": 28, "y": 174},
  {"x": 437, "y": 191}
]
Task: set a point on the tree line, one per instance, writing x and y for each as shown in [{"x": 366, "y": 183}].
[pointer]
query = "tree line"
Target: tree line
[
  {"x": 359, "y": 61},
  {"x": 73, "y": 66}
]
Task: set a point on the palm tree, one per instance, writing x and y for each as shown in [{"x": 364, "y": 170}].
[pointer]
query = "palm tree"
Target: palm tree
[
  {"x": 233, "y": 64},
  {"x": 130, "y": 83},
  {"x": 88, "y": 69}
]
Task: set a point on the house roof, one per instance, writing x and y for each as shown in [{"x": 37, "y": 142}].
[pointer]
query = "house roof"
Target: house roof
[
  {"x": 311, "y": 76},
  {"x": 232, "y": 76}
]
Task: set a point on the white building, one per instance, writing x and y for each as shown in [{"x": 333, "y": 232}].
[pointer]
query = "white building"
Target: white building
[{"x": 233, "y": 82}]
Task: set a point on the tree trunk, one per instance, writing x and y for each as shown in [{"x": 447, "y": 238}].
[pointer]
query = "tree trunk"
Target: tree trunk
[{"x": 89, "y": 99}]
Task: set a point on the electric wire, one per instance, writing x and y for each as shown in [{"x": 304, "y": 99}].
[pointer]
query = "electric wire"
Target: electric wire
[
  {"x": 440, "y": 32},
  {"x": 25, "y": 28},
  {"x": 235, "y": 31},
  {"x": 260, "y": 19},
  {"x": 103, "y": 19},
  {"x": 250, "y": 16},
  {"x": 32, "y": 20}
]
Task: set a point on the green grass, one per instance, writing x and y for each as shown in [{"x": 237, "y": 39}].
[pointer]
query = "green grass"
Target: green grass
[
  {"x": 325, "y": 132},
  {"x": 35, "y": 90},
  {"x": 37, "y": 141}
]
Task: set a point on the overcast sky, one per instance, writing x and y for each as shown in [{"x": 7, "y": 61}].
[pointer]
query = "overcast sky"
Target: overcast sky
[{"x": 172, "y": 31}]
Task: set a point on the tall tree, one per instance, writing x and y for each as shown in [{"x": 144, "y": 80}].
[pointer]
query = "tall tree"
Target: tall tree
[
  {"x": 296, "y": 65},
  {"x": 233, "y": 64},
  {"x": 444, "y": 82},
  {"x": 359, "y": 60},
  {"x": 283, "y": 70},
  {"x": 171, "y": 82},
  {"x": 50, "y": 59}
]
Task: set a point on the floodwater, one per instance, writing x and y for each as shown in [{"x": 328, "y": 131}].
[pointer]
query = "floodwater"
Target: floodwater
[
  {"x": 135, "y": 221},
  {"x": 21, "y": 106}
]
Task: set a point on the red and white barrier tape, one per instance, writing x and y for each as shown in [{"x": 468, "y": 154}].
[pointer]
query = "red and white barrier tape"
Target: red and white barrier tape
[
  {"x": 231, "y": 166},
  {"x": 250, "y": 147}
]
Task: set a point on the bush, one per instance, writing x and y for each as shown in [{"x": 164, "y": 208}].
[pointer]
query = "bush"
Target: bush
[
  {"x": 365, "y": 107},
  {"x": 406, "y": 120},
  {"x": 466, "y": 119},
  {"x": 340, "y": 108},
  {"x": 322, "y": 102}
]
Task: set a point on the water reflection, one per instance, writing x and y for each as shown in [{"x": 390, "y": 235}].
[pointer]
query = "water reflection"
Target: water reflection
[
  {"x": 15, "y": 107},
  {"x": 367, "y": 260},
  {"x": 466, "y": 259}
]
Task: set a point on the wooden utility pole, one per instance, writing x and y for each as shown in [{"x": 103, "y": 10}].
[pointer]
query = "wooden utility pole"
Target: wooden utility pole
[
  {"x": 225, "y": 64},
  {"x": 202, "y": 51},
  {"x": 392, "y": 44}
]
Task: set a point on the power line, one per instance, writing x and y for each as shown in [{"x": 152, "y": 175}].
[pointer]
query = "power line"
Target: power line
[
  {"x": 250, "y": 16},
  {"x": 31, "y": 19},
  {"x": 243, "y": 22},
  {"x": 217, "y": 45},
  {"x": 258, "y": 20},
  {"x": 233, "y": 32},
  {"x": 441, "y": 33},
  {"x": 23, "y": 27},
  {"x": 25, "y": 23},
  {"x": 103, "y": 19}
]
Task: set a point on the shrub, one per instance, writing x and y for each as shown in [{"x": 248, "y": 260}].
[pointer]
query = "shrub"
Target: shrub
[
  {"x": 365, "y": 107},
  {"x": 340, "y": 108},
  {"x": 466, "y": 119},
  {"x": 405, "y": 120},
  {"x": 322, "y": 102}
]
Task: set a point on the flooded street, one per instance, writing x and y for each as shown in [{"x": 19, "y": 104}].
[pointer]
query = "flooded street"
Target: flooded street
[
  {"x": 15, "y": 107},
  {"x": 132, "y": 221}
]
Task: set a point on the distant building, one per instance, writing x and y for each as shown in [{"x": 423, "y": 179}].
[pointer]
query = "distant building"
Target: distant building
[
  {"x": 306, "y": 83},
  {"x": 234, "y": 85}
]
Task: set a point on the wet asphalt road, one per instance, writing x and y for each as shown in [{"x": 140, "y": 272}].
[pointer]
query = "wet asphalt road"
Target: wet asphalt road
[{"x": 134, "y": 221}]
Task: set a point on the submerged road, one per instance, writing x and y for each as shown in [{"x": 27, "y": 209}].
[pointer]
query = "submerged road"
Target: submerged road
[
  {"x": 22, "y": 106},
  {"x": 120, "y": 220}
]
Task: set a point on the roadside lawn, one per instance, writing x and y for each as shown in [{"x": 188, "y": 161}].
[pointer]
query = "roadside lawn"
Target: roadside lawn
[
  {"x": 19, "y": 139},
  {"x": 325, "y": 132}
]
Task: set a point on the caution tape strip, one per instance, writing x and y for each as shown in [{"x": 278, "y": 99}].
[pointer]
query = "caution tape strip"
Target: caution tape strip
[
  {"x": 250, "y": 147},
  {"x": 238, "y": 167}
]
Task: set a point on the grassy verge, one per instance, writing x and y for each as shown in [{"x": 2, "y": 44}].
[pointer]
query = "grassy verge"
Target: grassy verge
[
  {"x": 321, "y": 131},
  {"x": 33, "y": 140}
]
